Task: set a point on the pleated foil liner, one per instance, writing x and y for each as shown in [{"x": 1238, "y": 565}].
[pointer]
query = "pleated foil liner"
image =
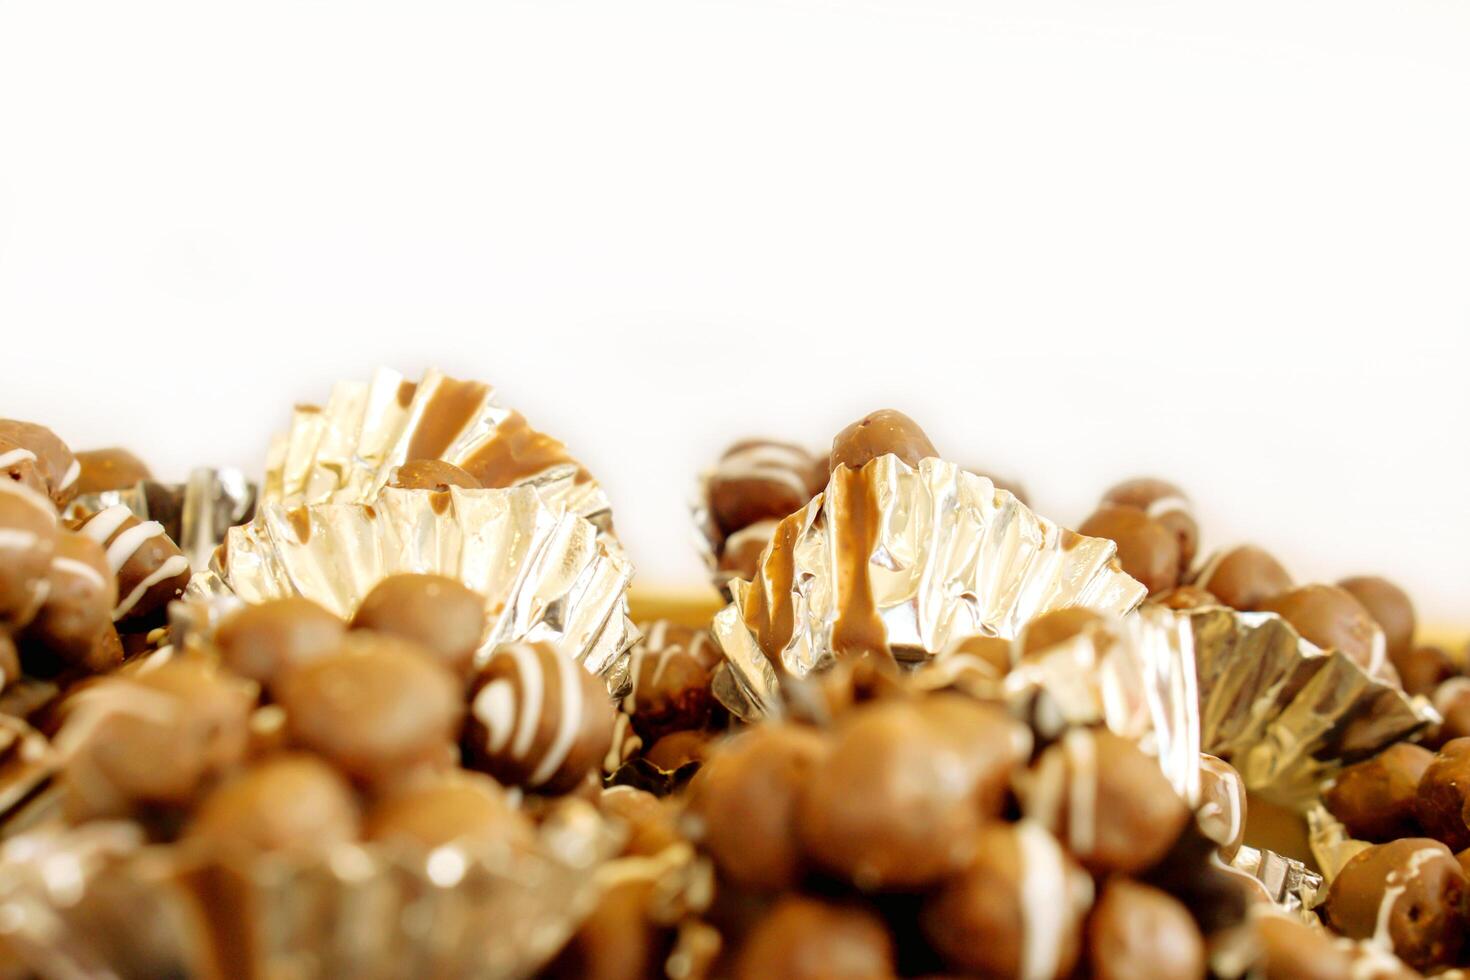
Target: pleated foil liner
[
  {"x": 95, "y": 901},
  {"x": 195, "y": 514},
  {"x": 925, "y": 556},
  {"x": 347, "y": 450},
  {"x": 546, "y": 574}
]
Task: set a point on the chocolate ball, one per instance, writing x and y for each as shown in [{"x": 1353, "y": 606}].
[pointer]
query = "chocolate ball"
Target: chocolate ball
[
  {"x": 743, "y": 803},
  {"x": 1016, "y": 910},
  {"x": 1136, "y": 932},
  {"x": 102, "y": 470},
  {"x": 432, "y": 474},
  {"x": 1390, "y": 608},
  {"x": 151, "y": 570},
  {"x": 18, "y": 465},
  {"x": 898, "y": 801},
  {"x": 1242, "y": 577},
  {"x": 263, "y": 640},
  {"x": 758, "y": 480},
  {"x": 1423, "y": 669},
  {"x": 678, "y": 749},
  {"x": 1182, "y": 598},
  {"x": 438, "y": 613},
  {"x": 1055, "y": 628},
  {"x": 807, "y": 939},
  {"x": 1331, "y": 618},
  {"x": 1163, "y": 502},
  {"x": 1147, "y": 549},
  {"x": 1107, "y": 800},
  {"x": 741, "y": 552},
  {"x": 58, "y": 467},
  {"x": 28, "y": 533},
  {"x": 1374, "y": 799},
  {"x": 651, "y": 823},
  {"x": 537, "y": 719},
  {"x": 1292, "y": 950},
  {"x": 878, "y": 434},
  {"x": 377, "y": 706},
  {"x": 618, "y": 940},
  {"x": 1222, "y": 805},
  {"x": 1442, "y": 798},
  {"x": 1410, "y": 892},
  {"x": 80, "y": 596},
  {"x": 292, "y": 802},
  {"x": 456, "y": 807},
  {"x": 669, "y": 679},
  {"x": 1452, "y": 700}
]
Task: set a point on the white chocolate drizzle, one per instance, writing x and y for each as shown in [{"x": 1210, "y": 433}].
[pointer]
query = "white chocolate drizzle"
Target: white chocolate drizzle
[
  {"x": 1394, "y": 885},
  {"x": 1171, "y": 504},
  {"x": 79, "y": 569},
  {"x": 127, "y": 542},
  {"x": 786, "y": 465},
  {"x": 15, "y": 457},
  {"x": 32, "y": 497},
  {"x": 568, "y": 722},
  {"x": 72, "y": 472},
  {"x": 15, "y": 539},
  {"x": 176, "y": 565},
  {"x": 104, "y": 524},
  {"x": 512, "y": 714},
  {"x": 1044, "y": 901},
  {"x": 1081, "y": 753}
]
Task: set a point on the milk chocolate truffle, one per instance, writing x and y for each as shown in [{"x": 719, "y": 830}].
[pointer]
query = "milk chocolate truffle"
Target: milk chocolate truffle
[
  {"x": 1147, "y": 549},
  {"x": 1055, "y": 628},
  {"x": 1222, "y": 805},
  {"x": 877, "y": 434},
  {"x": 804, "y": 938},
  {"x": 153, "y": 737},
  {"x": 1389, "y": 606},
  {"x": 28, "y": 533},
  {"x": 651, "y": 822},
  {"x": 759, "y": 480},
  {"x": 432, "y": 474},
  {"x": 1409, "y": 892},
  {"x": 1243, "y": 577},
  {"x": 292, "y": 802},
  {"x": 537, "y": 719},
  {"x": 1136, "y": 932},
  {"x": 81, "y": 593},
  {"x": 898, "y": 801},
  {"x": 438, "y": 613},
  {"x": 263, "y": 640},
  {"x": 58, "y": 467},
  {"x": 1423, "y": 669},
  {"x": 18, "y": 465},
  {"x": 151, "y": 570},
  {"x": 1163, "y": 502},
  {"x": 740, "y": 554},
  {"x": 1292, "y": 950},
  {"x": 1452, "y": 700},
  {"x": 1442, "y": 800},
  {"x": 669, "y": 679},
  {"x": 376, "y": 707},
  {"x": 1374, "y": 799},
  {"x": 1106, "y": 800},
  {"x": 678, "y": 749},
  {"x": 1015, "y": 911},
  {"x": 743, "y": 803},
  {"x": 109, "y": 469},
  {"x": 455, "y": 807},
  {"x": 1331, "y": 618}
]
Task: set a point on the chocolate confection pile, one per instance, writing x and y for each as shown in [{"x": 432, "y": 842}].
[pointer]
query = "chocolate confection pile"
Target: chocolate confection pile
[{"x": 399, "y": 726}]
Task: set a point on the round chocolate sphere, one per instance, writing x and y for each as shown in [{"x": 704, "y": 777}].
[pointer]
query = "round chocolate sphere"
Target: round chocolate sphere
[
  {"x": 1331, "y": 618},
  {"x": 81, "y": 593},
  {"x": 1390, "y": 608},
  {"x": 1016, "y": 910},
  {"x": 1422, "y": 669},
  {"x": 669, "y": 680},
  {"x": 376, "y": 707},
  {"x": 432, "y": 474},
  {"x": 1442, "y": 799},
  {"x": 1136, "y": 932},
  {"x": 109, "y": 469},
  {"x": 151, "y": 570},
  {"x": 1410, "y": 892},
  {"x": 1243, "y": 577},
  {"x": 290, "y": 802},
  {"x": 758, "y": 480},
  {"x": 28, "y": 533},
  {"x": 878, "y": 434},
  {"x": 898, "y": 801},
  {"x": 262, "y": 641},
  {"x": 455, "y": 807},
  {"x": 1222, "y": 805},
  {"x": 537, "y": 719},
  {"x": 438, "y": 613},
  {"x": 54, "y": 460},
  {"x": 804, "y": 938},
  {"x": 1106, "y": 800},
  {"x": 1147, "y": 549},
  {"x": 1163, "y": 502},
  {"x": 1374, "y": 799}
]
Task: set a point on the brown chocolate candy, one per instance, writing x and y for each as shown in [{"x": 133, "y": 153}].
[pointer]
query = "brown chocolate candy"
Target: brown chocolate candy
[
  {"x": 1055, "y": 628},
  {"x": 1409, "y": 892},
  {"x": 291, "y": 802},
  {"x": 438, "y": 613},
  {"x": 1452, "y": 700},
  {"x": 1147, "y": 549},
  {"x": 432, "y": 474},
  {"x": 18, "y": 465},
  {"x": 1184, "y": 597},
  {"x": 1442, "y": 799},
  {"x": 804, "y": 938},
  {"x": 618, "y": 940},
  {"x": 651, "y": 822},
  {"x": 1242, "y": 577},
  {"x": 151, "y": 570},
  {"x": 28, "y": 533},
  {"x": 1106, "y": 800},
  {"x": 1374, "y": 799},
  {"x": 109, "y": 469},
  {"x": 669, "y": 679},
  {"x": 743, "y": 802},
  {"x": 262, "y": 641},
  {"x": 80, "y": 596},
  {"x": 877, "y": 434},
  {"x": 1222, "y": 805},
  {"x": 898, "y": 801},
  {"x": 54, "y": 460},
  {"x": 1423, "y": 669},
  {"x": 1016, "y": 910},
  {"x": 1136, "y": 932},
  {"x": 454, "y": 807},
  {"x": 377, "y": 706},
  {"x": 1389, "y": 606},
  {"x": 1331, "y": 618},
  {"x": 757, "y": 480},
  {"x": 537, "y": 719},
  {"x": 1164, "y": 502},
  {"x": 1292, "y": 950},
  {"x": 678, "y": 749},
  {"x": 741, "y": 552}
]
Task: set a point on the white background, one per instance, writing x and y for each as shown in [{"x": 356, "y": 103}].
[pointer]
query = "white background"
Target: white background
[{"x": 1227, "y": 242}]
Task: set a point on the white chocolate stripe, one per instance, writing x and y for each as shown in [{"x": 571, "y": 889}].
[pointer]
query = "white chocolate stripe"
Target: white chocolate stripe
[
  {"x": 176, "y": 565},
  {"x": 533, "y": 697},
  {"x": 79, "y": 569},
  {"x": 32, "y": 497},
  {"x": 1081, "y": 754},
  {"x": 1044, "y": 901},
  {"x": 760, "y": 530},
  {"x": 568, "y": 723},
  {"x": 103, "y": 524},
  {"x": 127, "y": 543},
  {"x": 1170, "y": 505},
  {"x": 14, "y": 539},
  {"x": 72, "y": 472},
  {"x": 495, "y": 707},
  {"x": 16, "y": 456},
  {"x": 1395, "y": 884}
]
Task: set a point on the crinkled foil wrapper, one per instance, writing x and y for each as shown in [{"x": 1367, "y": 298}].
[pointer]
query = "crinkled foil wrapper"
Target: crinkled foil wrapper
[
  {"x": 1287, "y": 882},
  {"x": 347, "y": 450},
  {"x": 547, "y": 575},
  {"x": 95, "y": 901},
  {"x": 952, "y": 557},
  {"x": 195, "y": 514}
]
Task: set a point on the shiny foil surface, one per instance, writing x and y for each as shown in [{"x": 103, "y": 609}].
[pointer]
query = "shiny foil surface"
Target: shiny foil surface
[{"x": 195, "y": 514}]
